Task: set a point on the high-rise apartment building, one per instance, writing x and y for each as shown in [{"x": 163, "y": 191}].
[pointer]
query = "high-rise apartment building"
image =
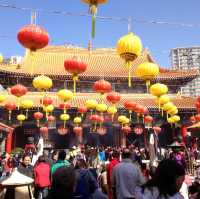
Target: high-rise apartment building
[{"x": 186, "y": 59}]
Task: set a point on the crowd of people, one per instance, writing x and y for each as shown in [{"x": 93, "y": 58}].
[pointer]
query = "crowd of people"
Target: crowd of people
[{"x": 99, "y": 173}]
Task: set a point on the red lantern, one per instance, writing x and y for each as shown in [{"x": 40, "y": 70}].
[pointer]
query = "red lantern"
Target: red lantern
[
  {"x": 44, "y": 131},
  {"x": 10, "y": 107},
  {"x": 129, "y": 105},
  {"x": 198, "y": 99},
  {"x": 102, "y": 86},
  {"x": 51, "y": 118},
  {"x": 148, "y": 119},
  {"x": 18, "y": 90},
  {"x": 46, "y": 101},
  {"x": 38, "y": 116},
  {"x": 94, "y": 118},
  {"x": 113, "y": 97},
  {"x": 138, "y": 130},
  {"x": 139, "y": 108},
  {"x": 192, "y": 119},
  {"x": 82, "y": 109},
  {"x": 126, "y": 129},
  {"x": 101, "y": 130},
  {"x": 144, "y": 110},
  {"x": 33, "y": 37},
  {"x": 78, "y": 130},
  {"x": 75, "y": 67},
  {"x": 100, "y": 119},
  {"x": 62, "y": 130},
  {"x": 157, "y": 129},
  {"x": 64, "y": 106},
  {"x": 197, "y": 117}
]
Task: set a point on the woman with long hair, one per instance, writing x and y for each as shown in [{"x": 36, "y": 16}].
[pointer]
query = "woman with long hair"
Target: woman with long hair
[{"x": 165, "y": 184}]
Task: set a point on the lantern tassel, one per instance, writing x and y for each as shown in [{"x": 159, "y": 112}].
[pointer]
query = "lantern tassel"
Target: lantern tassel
[
  {"x": 93, "y": 26},
  {"x": 128, "y": 65},
  {"x": 9, "y": 115},
  {"x": 95, "y": 126},
  {"x": 112, "y": 117},
  {"x": 18, "y": 103},
  {"x": 47, "y": 115},
  {"x": 75, "y": 78},
  {"x": 148, "y": 83},
  {"x": 32, "y": 62},
  {"x": 130, "y": 115},
  {"x": 159, "y": 104},
  {"x": 38, "y": 123},
  {"x": 26, "y": 113}
]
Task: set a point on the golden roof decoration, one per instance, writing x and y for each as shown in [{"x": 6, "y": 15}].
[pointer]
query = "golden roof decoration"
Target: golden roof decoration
[
  {"x": 50, "y": 61},
  {"x": 147, "y": 100}
]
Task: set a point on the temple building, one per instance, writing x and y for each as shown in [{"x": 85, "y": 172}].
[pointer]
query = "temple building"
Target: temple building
[{"x": 102, "y": 63}]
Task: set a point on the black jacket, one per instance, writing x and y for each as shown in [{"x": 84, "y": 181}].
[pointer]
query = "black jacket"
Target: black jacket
[{"x": 26, "y": 170}]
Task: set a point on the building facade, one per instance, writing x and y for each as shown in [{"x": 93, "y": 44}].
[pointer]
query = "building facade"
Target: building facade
[{"x": 187, "y": 59}]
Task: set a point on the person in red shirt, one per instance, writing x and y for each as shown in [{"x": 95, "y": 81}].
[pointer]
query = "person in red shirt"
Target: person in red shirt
[
  {"x": 113, "y": 162},
  {"x": 42, "y": 178}
]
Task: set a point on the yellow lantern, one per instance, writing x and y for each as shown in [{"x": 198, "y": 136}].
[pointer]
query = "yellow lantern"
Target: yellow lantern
[
  {"x": 176, "y": 118},
  {"x": 158, "y": 89},
  {"x": 172, "y": 111},
  {"x": 101, "y": 108},
  {"x": 122, "y": 119},
  {"x": 48, "y": 109},
  {"x": 147, "y": 71},
  {"x": 65, "y": 94},
  {"x": 129, "y": 47},
  {"x": 64, "y": 117},
  {"x": 77, "y": 120},
  {"x": 93, "y": 11},
  {"x": 21, "y": 118},
  {"x": 170, "y": 120},
  {"x": 42, "y": 83},
  {"x": 91, "y": 104},
  {"x": 163, "y": 99},
  {"x": 126, "y": 121},
  {"x": 1, "y": 58},
  {"x": 26, "y": 104},
  {"x": 2, "y": 98},
  {"x": 168, "y": 106},
  {"x": 112, "y": 111}
]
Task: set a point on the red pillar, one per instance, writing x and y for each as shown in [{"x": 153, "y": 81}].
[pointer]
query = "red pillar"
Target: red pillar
[{"x": 8, "y": 145}]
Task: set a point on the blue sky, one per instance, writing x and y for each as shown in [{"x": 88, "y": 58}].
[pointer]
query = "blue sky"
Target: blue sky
[{"x": 76, "y": 30}]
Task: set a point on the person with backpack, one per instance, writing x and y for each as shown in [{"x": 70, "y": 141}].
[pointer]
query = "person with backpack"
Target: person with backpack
[{"x": 86, "y": 183}]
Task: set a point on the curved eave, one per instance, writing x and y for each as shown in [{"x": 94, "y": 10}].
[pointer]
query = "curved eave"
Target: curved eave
[
  {"x": 189, "y": 75},
  {"x": 144, "y": 99}
]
